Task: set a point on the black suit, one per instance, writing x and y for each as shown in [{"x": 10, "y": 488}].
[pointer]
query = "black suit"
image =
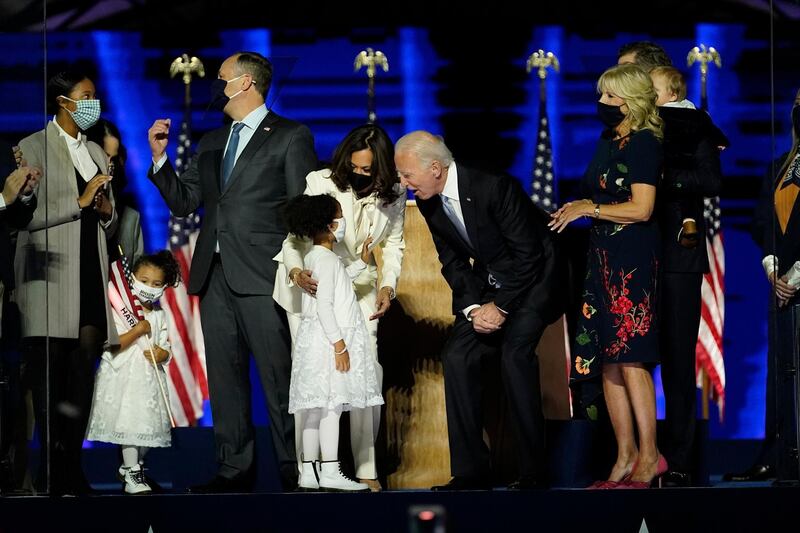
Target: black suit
[
  {"x": 691, "y": 173},
  {"x": 236, "y": 285},
  {"x": 513, "y": 245},
  {"x": 766, "y": 232}
]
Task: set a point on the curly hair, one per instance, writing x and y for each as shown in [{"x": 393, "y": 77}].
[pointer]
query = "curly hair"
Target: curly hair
[
  {"x": 649, "y": 55},
  {"x": 384, "y": 174},
  {"x": 632, "y": 84},
  {"x": 308, "y": 216},
  {"x": 164, "y": 261}
]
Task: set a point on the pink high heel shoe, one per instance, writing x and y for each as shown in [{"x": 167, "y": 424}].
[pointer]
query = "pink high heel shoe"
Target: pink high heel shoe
[
  {"x": 661, "y": 469},
  {"x": 606, "y": 484}
]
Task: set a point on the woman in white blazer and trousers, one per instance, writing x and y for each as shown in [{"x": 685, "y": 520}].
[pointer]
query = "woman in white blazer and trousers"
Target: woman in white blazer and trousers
[{"x": 363, "y": 178}]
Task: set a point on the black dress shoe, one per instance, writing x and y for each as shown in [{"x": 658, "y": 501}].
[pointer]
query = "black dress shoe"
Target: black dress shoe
[
  {"x": 674, "y": 478},
  {"x": 464, "y": 483},
  {"x": 754, "y": 473},
  {"x": 223, "y": 485},
  {"x": 527, "y": 483}
]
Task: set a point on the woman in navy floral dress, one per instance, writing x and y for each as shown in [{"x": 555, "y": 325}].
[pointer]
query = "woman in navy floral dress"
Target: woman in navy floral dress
[{"x": 617, "y": 334}]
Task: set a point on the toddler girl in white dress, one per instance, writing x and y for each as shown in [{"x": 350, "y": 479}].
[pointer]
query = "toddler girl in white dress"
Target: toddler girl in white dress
[
  {"x": 332, "y": 370},
  {"x": 128, "y": 408}
]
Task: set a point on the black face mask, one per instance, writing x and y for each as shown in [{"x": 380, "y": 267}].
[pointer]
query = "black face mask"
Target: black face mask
[
  {"x": 610, "y": 115},
  {"x": 218, "y": 97},
  {"x": 361, "y": 183},
  {"x": 796, "y": 120}
]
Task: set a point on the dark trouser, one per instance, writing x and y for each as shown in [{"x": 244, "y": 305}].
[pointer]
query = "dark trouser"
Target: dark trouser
[
  {"x": 235, "y": 325},
  {"x": 679, "y": 322},
  {"x": 515, "y": 342},
  {"x": 62, "y": 420},
  {"x": 777, "y": 335},
  {"x": 784, "y": 381}
]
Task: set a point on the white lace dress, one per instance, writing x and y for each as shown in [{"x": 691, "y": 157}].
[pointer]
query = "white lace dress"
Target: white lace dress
[
  {"x": 332, "y": 315},
  {"x": 128, "y": 408}
]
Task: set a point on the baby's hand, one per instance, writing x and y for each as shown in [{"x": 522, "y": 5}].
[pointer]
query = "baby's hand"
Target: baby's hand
[
  {"x": 161, "y": 355},
  {"x": 366, "y": 253}
]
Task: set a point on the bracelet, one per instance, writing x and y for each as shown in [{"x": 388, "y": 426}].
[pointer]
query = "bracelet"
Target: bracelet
[
  {"x": 597, "y": 211},
  {"x": 340, "y": 353}
]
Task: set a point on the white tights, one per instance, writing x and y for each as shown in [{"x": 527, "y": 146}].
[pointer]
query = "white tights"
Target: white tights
[
  {"x": 321, "y": 434},
  {"x": 131, "y": 455}
]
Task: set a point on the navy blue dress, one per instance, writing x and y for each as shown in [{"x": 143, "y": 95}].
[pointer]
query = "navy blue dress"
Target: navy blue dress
[{"x": 617, "y": 323}]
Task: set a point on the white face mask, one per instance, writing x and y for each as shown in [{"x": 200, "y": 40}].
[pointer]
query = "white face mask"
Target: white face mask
[
  {"x": 146, "y": 293},
  {"x": 338, "y": 233}
]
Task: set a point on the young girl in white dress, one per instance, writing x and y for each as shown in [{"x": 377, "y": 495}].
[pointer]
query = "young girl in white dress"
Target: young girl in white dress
[
  {"x": 128, "y": 408},
  {"x": 332, "y": 370}
]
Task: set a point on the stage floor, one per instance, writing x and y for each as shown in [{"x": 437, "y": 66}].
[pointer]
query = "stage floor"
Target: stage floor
[{"x": 725, "y": 507}]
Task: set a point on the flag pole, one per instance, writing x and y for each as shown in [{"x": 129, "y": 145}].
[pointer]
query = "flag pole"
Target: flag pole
[
  {"x": 703, "y": 56},
  {"x": 371, "y": 60},
  {"x": 543, "y": 184}
]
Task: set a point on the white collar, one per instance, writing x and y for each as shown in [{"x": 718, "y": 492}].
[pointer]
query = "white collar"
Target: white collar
[
  {"x": 451, "y": 185},
  {"x": 71, "y": 141}
]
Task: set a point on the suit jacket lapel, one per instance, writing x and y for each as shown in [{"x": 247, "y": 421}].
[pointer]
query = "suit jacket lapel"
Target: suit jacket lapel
[
  {"x": 261, "y": 134},
  {"x": 346, "y": 200},
  {"x": 467, "y": 205},
  {"x": 380, "y": 218}
]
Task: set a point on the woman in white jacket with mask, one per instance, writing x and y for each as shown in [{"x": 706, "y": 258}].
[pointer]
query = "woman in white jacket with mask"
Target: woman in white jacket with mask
[{"x": 363, "y": 178}]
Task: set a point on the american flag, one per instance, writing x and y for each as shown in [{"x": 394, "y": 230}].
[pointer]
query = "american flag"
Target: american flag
[
  {"x": 122, "y": 299},
  {"x": 543, "y": 185},
  {"x": 709, "y": 360},
  {"x": 187, "y": 382}
]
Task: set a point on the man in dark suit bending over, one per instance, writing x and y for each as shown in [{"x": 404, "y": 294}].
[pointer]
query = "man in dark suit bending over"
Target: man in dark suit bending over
[
  {"x": 243, "y": 174},
  {"x": 502, "y": 301}
]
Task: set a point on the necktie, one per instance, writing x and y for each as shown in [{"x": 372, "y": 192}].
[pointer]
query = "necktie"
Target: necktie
[
  {"x": 451, "y": 214},
  {"x": 229, "y": 160}
]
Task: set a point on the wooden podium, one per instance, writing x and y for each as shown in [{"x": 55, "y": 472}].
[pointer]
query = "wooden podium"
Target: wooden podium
[{"x": 410, "y": 338}]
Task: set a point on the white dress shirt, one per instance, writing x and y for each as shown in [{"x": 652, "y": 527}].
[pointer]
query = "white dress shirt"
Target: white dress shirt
[
  {"x": 79, "y": 153},
  {"x": 451, "y": 192}
]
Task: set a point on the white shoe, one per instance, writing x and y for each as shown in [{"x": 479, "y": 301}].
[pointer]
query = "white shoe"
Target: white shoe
[
  {"x": 331, "y": 479},
  {"x": 308, "y": 480},
  {"x": 123, "y": 469},
  {"x": 134, "y": 481}
]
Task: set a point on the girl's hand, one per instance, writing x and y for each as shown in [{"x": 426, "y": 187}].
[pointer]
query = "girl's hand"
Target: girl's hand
[
  {"x": 142, "y": 327},
  {"x": 343, "y": 361},
  {"x": 366, "y": 253},
  {"x": 161, "y": 355},
  {"x": 570, "y": 212}
]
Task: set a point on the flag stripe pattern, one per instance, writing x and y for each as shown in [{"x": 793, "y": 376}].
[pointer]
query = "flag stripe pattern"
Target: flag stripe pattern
[{"x": 709, "y": 350}]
